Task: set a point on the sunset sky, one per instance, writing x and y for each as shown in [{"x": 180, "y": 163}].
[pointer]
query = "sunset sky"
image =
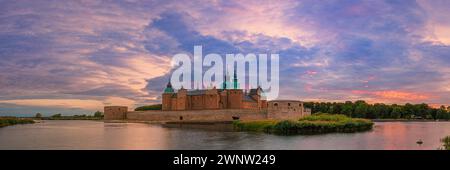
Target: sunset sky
[{"x": 74, "y": 57}]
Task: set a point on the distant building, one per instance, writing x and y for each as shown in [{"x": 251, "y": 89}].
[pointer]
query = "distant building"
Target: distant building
[{"x": 227, "y": 97}]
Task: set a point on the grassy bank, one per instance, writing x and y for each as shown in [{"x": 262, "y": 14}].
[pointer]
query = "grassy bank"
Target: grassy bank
[
  {"x": 8, "y": 121},
  {"x": 149, "y": 107},
  {"x": 314, "y": 124},
  {"x": 445, "y": 143}
]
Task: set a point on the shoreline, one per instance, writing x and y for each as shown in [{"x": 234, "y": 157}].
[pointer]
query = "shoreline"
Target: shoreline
[
  {"x": 203, "y": 122},
  {"x": 11, "y": 121},
  {"x": 408, "y": 120},
  {"x": 230, "y": 122}
]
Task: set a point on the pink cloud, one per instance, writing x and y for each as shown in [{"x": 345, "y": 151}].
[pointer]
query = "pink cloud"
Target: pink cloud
[
  {"x": 394, "y": 95},
  {"x": 311, "y": 73}
]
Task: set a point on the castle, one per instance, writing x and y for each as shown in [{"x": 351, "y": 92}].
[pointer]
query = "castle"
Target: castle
[
  {"x": 212, "y": 105},
  {"x": 227, "y": 97}
]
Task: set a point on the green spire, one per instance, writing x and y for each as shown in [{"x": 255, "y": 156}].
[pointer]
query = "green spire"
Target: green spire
[
  {"x": 168, "y": 88},
  {"x": 224, "y": 85},
  {"x": 235, "y": 80}
]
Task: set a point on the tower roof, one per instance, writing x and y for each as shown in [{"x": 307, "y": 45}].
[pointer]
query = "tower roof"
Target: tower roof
[
  {"x": 168, "y": 88},
  {"x": 235, "y": 80}
]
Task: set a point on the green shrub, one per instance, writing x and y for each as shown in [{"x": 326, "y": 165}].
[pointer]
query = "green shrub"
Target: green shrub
[
  {"x": 314, "y": 124},
  {"x": 98, "y": 114},
  {"x": 285, "y": 127},
  {"x": 446, "y": 143},
  {"x": 264, "y": 125}
]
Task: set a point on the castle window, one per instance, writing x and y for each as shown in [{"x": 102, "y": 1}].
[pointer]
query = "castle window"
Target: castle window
[
  {"x": 289, "y": 104},
  {"x": 275, "y": 104},
  {"x": 181, "y": 117}
]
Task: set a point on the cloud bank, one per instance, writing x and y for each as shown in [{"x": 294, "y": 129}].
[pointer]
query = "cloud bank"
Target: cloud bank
[{"x": 61, "y": 56}]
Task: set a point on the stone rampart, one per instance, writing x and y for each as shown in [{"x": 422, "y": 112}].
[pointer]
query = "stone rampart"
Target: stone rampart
[
  {"x": 117, "y": 113},
  {"x": 197, "y": 115}
]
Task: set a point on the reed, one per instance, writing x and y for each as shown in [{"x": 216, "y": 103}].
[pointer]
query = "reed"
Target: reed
[{"x": 8, "y": 121}]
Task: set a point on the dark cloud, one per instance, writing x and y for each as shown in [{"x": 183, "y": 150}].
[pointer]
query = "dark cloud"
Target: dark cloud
[
  {"x": 110, "y": 90},
  {"x": 174, "y": 25},
  {"x": 49, "y": 51}
]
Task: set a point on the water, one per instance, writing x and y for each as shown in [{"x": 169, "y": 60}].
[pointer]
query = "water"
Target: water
[{"x": 54, "y": 134}]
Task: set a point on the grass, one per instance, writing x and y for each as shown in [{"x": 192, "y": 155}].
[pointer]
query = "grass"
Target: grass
[
  {"x": 313, "y": 124},
  {"x": 8, "y": 121},
  {"x": 445, "y": 143},
  {"x": 263, "y": 126},
  {"x": 149, "y": 107}
]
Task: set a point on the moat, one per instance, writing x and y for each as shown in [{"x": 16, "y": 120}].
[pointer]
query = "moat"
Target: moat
[{"x": 78, "y": 134}]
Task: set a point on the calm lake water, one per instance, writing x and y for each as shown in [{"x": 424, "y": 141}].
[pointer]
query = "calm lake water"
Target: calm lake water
[{"x": 54, "y": 134}]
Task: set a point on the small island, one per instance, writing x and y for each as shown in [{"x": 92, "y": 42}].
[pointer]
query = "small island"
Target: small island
[
  {"x": 314, "y": 124},
  {"x": 11, "y": 120}
]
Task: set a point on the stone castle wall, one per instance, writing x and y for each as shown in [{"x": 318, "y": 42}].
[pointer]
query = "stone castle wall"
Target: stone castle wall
[
  {"x": 197, "y": 115},
  {"x": 112, "y": 113},
  {"x": 115, "y": 112}
]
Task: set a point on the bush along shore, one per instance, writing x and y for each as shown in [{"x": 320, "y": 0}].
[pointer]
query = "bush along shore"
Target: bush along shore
[
  {"x": 445, "y": 143},
  {"x": 8, "y": 121},
  {"x": 313, "y": 124},
  {"x": 97, "y": 116}
]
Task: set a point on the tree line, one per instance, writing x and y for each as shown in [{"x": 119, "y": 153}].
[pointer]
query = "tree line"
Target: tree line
[
  {"x": 361, "y": 109},
  {"x": 97, "y": 115}
]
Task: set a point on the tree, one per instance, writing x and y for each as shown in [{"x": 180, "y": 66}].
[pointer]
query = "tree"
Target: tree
[
  {"x": 335, "y": 108},
  {"x": 442, "y": 113},
  {"x": 57, "y": 115},
  {"x": 397, "y": 112},
  {"x": 360, "y": 110},
  {"x": 347, "y": 108},
  {"x": 421, "y": 110},
  {"x": 149, "y": 107},
  {"x": 408, "y": 111},
  {"x": 98, "y": 114},
  {"x": 38, "y": 115}
]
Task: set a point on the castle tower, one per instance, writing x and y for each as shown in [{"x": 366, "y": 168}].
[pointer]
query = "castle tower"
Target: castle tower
[
  {"x": 262, "y": 98},
  {"x": 235, "y": 97},
  {"x": 166, "y": 97},
  {"x": 235, "y": 80},
  {"x": 226, "y": 81},
  {"x": 212, "y": 99},
  {"x": 223, "y": 104},
  {"x": 181, "y": 99},
  {"x": 257, "y": 96}
]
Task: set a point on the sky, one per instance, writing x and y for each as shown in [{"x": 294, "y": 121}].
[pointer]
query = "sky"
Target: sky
[{"x": 74, "y": 57}]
